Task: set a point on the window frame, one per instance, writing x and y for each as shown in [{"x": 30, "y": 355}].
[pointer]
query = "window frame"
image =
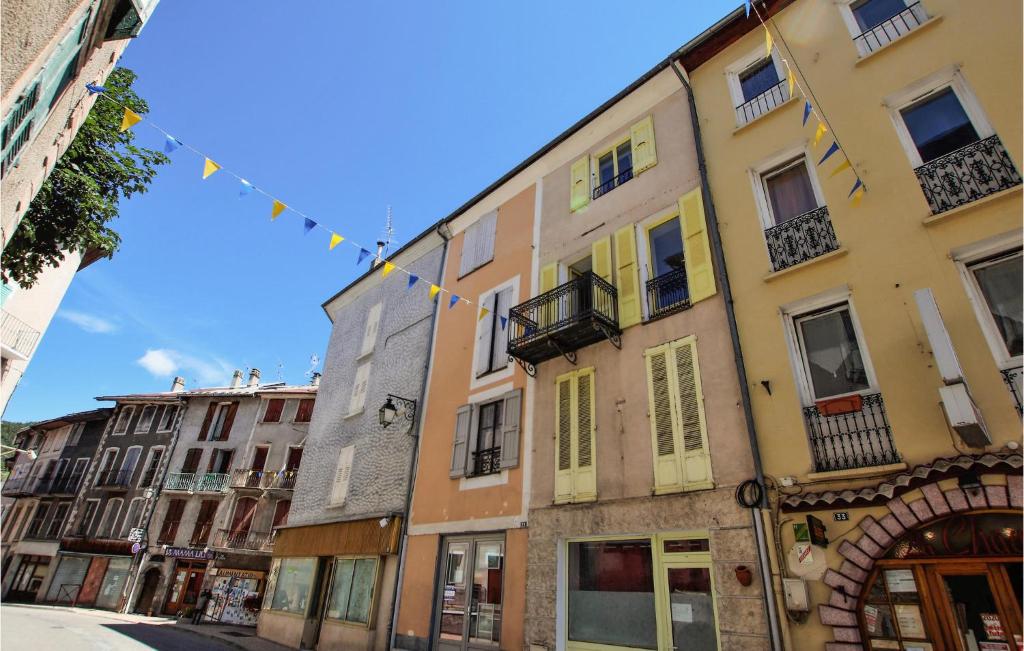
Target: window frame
[
  {"x": 470, "y": 237},
  {"x": 100, "y": 468},
  {"x": 374, "y": 594},
  {"x": 49, "y": 534},
  {"x": 124, "y": 460},
  {"x": 75, "y": 434},
  {"x": 127, "y": 420},
  {"x": 149, "y": 459},
  {"x": 277, "y": 583},
  {"x": 777, "y": 164},
  {"x": 355, "y": 409},
  {"x": 173, "y": 409},
  {"x": 613, "y": 148},
  {"x": 142, "y": 417},
  {"x": 113, "y": 522},
  {"x": 298, "y": 410},
  {"x": 741, "y": 65},
  {"x": 85, "y": 527},
  {"x": 850, "y": 20},
  {"x": 125, "y": 529},
  {"x": 497, "y": 428},
  {"x": 220, "y": 416},
  {"x": 488, "y": 297},
  {"x": 971, "y": 256},
  {"x": 277, "y": 419}
]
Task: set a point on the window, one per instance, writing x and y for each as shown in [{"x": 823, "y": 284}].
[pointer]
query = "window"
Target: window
[
  {"x": 304, "y": 413},
  {"x": 873, "y": 24},
  {"x": 758, "y": 78},
  {"x": 294, "y": 459},
  {"x": 146, "y": 419},
  {"x": 488, "y": 439},
  {"x": 294, "y": 583},
  {"x": 678, "y": 424},
  {"x": 611, "y": 594},
  {"x": 152, "y": 466},
  {"x": 938, "y": 124},
  {"x": 220, "y": 461},
  {"x": 478, "y": 243},
  {"x": 123, "y": 418},
  {"x": 491, "y": 347},
  {"x": 830, "y": 353},
  {"x": 88, "y": 513},
  {"x": 614, "y": 167},
  {"x": 999, "y": 282},
  {"x": 106, "y": 467},
  {"x": 109, "y": 520},
  {"x": 76, "y": 434},
  {"x": 487, "y": 436},
  {"x": 219, "y": 419},
  {"x": 272, "y": 414},
  {"x": 38, "y": 518},
  {"x": 241, "y": 521},
  {"x": 789, "y": 191},
  {"x": 667, "y": 289},
  {"x": 352, "y": 589},
  {"x": 370, "y": 331},
  {"x": 757, "y": 85},
  {"x": 281, "y": 510},
  {"x": 131, "y": 460},
  {"x": 172, "y": 519},
  {"x": 192, "y": 459},
  {"x": 575, "y": 427},
  {"x": 358, "y": 399},
  {"x": 167, "y": 417},
  {"x": 77, "y": 474},
  {"x": 204, "y": 523},
  {"x": 342, "y": 475},
  {"x": 133, "y": 518}
]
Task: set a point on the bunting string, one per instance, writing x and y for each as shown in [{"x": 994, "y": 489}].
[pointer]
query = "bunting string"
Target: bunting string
[{"x": 246, "y": 187}]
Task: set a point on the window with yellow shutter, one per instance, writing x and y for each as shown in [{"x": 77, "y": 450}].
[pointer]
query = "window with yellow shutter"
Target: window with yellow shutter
[{"x": 575, "y": 433}]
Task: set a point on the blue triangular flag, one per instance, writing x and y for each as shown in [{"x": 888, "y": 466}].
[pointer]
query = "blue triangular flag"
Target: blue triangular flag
[
  {"x": 504, "y": 322},
  {"x": 362, "y": 255},
  {"x": 95, "y": 88},
  {"x": 309, "y": 224},
  {"x": 451, "y": 303},
  {"x": 748, "y": 8},
  {"x": 807, "y": 111},
  {"x": 413, "y": 279},
  {"x": 854, "y": 188},
  {"x": 831, "y": 150},
  {"x": 245, "y": 189},
  {"x": 171, "y": 144}
]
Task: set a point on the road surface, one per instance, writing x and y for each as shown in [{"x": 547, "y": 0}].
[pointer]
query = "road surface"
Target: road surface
[{"x": 28, "y": 628}]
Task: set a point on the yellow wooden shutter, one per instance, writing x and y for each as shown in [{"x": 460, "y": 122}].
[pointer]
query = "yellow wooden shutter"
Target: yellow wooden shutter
[
  {"x": 627, "y": 282},
  {"x": 700, "y": 275},
  {"x": 563, "y": 438},
  {"x": 641, "y": 136},
  {"x": 547, "y": 314},
  {"x": 585, "y": 470},
  {"x": 580, "y": 183},
  {"x": 601, "y": 257},
  {"x": 660, "y": 388},
  {"x": 692, "y": 426}
]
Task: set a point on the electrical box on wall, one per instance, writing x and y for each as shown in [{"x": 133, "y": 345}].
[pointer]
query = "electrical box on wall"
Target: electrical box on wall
[
  {"x": 964, "y": 416},
  {"x": 795, "y": 591}
]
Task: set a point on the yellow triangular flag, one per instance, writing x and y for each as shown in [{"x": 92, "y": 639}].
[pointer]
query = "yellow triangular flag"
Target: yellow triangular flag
[
  {"x": 336, "y": 240},
  {"x": 767, "y": 42},
  {"x": 791, "y": 82},
  {"x": 388, "y": 268},
  {"x": 277, "y": 209},
  {"x": 855, "y": 199},
  {"x": 819, "y": 133},
  {"x": 130, "y": 119},
  {"x": 434, "y": 289},
  {"x": 845, "y": 165},
  {"x": 209, "y": 167},
  {"x": 483, "y": 312}
]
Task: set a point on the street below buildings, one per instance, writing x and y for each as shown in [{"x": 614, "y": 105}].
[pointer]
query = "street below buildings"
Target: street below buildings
[{"x": 57, "y": 629}]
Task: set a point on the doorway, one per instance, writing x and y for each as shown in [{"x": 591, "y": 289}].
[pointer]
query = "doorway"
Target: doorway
[
  {"x": 144, "y": 604},
  {"x": 186, "y": 583},
  {"x": 470, "y": 593}
]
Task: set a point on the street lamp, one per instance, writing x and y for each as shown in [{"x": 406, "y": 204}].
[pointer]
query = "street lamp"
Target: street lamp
[{"x": 389, "y": 410}]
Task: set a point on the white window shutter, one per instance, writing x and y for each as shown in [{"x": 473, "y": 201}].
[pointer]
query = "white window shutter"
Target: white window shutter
[
  {"x": 660, "y": 381},
  {"x": 510, "y": 429},
  {"x": 358, "y": 398},
  {"x": 343, "y": 475},
  {"x": 372, "y": 326},
  {"x": 488, "y": 225},
  {"x": 461, "y": 442},
  {"x": 467, "y": 262}
]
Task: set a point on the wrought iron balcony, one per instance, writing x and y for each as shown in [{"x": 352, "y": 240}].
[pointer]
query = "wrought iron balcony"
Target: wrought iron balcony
[
  {"x": 487, "y": 461},
  {"x": 115, "y": 478},
  {"x": 763, "y": 103},
  {"x": 889, "y": 30},
  {"x": 1012, "y": 378},
  {"x": 581, "y": 312},
  {"x": 18, "y": 336},
  {"x": 180, "y": 481},
  {"x": 66, "y": 485},
  {"x": 258, "y": 541},
  {"x": 967, "y": 174},
  {"x": 247, "y": 479},
  {"x": 263, "y": 479},
  {"x": 212, "y": 482},
  {"x": 283, "y": 480},
  {"x": 612, "y": 183},
  {"x": 667, "y": 294},
  {"x": 859, "y": 438},
  {"x": 800, "y": 239}
]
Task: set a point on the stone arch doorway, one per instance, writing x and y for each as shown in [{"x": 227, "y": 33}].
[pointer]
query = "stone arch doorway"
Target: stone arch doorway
[{"x": 150, "y": 582}]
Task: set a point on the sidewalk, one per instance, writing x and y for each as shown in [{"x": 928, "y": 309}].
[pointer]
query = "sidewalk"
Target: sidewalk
[{"x": 242, "y": 637}]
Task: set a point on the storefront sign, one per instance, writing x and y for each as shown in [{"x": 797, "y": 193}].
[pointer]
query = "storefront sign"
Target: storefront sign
[
  {"x": 900, "y": 581},
  {"x": 993, "y": 627},
  {"x": 909, "y": 619},
  {"x": 136, "y": 534},
  {"x": 189, "y": 552},
  {"x": 817, "y": 531},
  {"x": 239, "y": 574}
]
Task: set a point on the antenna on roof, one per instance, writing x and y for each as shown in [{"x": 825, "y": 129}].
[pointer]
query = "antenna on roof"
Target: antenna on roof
[
  {"x": 280, "y": 371},
  {"x": 314, "y": 361}
]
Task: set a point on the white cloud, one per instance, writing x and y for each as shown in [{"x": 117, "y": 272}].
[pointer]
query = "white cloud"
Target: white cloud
[
  {"x": 164, "y": 362},
  {"x": 88, "y": 322}
]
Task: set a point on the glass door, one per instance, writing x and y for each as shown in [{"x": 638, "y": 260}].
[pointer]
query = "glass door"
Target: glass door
[
  {"x": 980, "y": 609},
  {"x": 470, "y": 594},
  {"x": 454, "y": 600},
  {"x": 690, "y": 607}
]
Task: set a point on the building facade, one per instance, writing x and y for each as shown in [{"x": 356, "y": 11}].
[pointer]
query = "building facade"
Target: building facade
[
  {"x": 335, "y": 567},
  {"x": 882, "y": 339}
]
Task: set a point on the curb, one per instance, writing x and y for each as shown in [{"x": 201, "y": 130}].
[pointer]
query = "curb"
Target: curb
[{"x": 231, "y": 643}]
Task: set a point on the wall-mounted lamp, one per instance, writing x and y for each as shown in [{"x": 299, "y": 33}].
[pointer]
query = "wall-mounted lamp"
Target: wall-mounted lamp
[{"x": 389, "y": 410}]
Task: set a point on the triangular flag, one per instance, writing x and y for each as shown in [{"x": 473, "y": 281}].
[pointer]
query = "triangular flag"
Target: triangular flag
[
  {"x": 277, "y": 209},
  {"x": 807, "y": 111},
  {"x": 845, "y": 165},
  {"x": 504, "y": 321},
  {"x": 855, "y": 187},
  {"x": 855, "y": 200},
  {"x": 483, "y": 312},
  {"x": 95, "y": 88},
  {"x": 130, "y": 119},
  {"x": 451, "y": 303},
  {"x": 308, "y": 225},
  {"x": 748, "y": 8},
  {"x": 336, "y": 240},
  {"x": 434, "y": 289},
  {"x": 209, "y": 167},
  {"x": 362, "y": 255},
  {"x": 767, "y": 42},
  {"x": 245, "y": 189},
  {"x": 790, "y": 81},
  {"x": 413, "y": 279},
  {"x": 819, "y": 133},
  {"x": 171, "y": 144},
  {"x": 831, "y": 150},
  {"x": 388, "y": 268}
]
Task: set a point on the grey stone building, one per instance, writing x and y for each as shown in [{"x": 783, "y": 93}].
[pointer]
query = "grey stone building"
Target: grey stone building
[{"x": 333, "y": 577}]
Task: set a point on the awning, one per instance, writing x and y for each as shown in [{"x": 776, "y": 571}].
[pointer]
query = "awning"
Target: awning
[{"x": 339, "y": 538}]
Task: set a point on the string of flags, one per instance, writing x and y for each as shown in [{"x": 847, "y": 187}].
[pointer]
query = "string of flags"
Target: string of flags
[
  {"x": 278, "y": 207},
  {"x": 821, "y": 124}
]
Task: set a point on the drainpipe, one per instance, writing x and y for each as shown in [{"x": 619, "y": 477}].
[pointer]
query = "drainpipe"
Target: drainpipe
[
  {"x": 445, "y": 233},
  {"x": 767, "y": 578}
]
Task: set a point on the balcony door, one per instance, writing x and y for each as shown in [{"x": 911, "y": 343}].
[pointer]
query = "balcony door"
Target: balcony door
[
  {"x": 469, "y": 594},
  {"x": 241, "y": 523}
]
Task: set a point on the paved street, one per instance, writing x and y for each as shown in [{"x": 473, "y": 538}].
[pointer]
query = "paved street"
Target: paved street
[{"x": 60, "y": 629}]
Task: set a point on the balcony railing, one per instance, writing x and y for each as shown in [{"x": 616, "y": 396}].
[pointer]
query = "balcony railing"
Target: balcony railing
[
  {"x": 263, "y": 479},
  {"x": 67, "y": 485},
  {"x": 668, "y": 293},
  {"x": 612, "y": 183},
  {"x": 1012, "y": 378},
  {"x": 259, "y": 541},
  {"x": 967, "y": 174},
  {"x": 115, "y": 478},
  {"x": 487, "y": 461},
  {"x": 889, "y": 30},
  {"x": 802, "y": 238},
  {"x": 180, "y": 481},
  {"x": 853, "y": 439},
  {"x": 763, "y": 103},
  {"x": 15, "y": 486},
  {"x": 563, "y": 320},
  {"x": 247, "y": 478},
  {"x": 18, "y": 335},
  {"x": 212, "y": 482}
]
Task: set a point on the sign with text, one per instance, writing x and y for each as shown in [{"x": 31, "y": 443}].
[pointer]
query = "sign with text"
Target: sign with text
[
  {"x": 189, "y": 552},
  {"x": 136, "y": 534},
  {"x": 817, "y": 531}
]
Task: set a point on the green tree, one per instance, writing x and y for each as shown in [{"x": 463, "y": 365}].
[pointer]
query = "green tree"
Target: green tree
[{"x": 76, "y": 204}]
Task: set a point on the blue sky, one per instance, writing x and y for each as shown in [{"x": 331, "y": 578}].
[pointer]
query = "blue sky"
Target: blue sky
[{"x": 340, "y": 110}]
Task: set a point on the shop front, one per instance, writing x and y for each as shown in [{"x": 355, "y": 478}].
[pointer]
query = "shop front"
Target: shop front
[
  {"x": 29, "y": 570},
  {"x": 469, "y": 597},
  {"x": 89, "y": 573},
  {"x": 236, "y": 596}
]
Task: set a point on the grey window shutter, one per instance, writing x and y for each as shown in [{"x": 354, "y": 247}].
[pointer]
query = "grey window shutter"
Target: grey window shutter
[
  {"x": 474, "y": 439},
  {"x": 468, "y": 261},
  {"x": 499, "y": 354},
  {"x": 485, "y": 238},
  {"x": 459, "y": 452},
  {"x": 510, "y": 431}
]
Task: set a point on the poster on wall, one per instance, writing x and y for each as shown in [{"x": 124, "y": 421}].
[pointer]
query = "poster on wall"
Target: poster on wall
[
  {"x": 909, "y": 619},
  {"x": 900, "y": 581},
  {"x": 993, "y": 626},
  {"x": 993, "y": 646},
  {"x": 235, "y": 597}
]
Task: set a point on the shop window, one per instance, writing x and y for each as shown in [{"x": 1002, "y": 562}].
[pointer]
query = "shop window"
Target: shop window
[
  {"x": 352, "y": 589},
  {"x": 294, "y": 583}
]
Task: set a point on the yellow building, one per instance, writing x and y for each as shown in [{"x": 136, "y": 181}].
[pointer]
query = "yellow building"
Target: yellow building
[{"x": 881, "y": 333}]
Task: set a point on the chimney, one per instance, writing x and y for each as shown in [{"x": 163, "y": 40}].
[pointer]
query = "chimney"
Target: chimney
[
  {"x": 178, "y": 384},
  {"x": 254, "y": 377},
  {"x": 236, "y": 379},
  {"x": 316, "y": 380},
  {"x": 379, "y": 258}
]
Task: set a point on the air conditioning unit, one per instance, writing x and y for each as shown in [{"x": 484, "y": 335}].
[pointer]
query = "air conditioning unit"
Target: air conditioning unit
[{"x": 964, "y": 416}]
